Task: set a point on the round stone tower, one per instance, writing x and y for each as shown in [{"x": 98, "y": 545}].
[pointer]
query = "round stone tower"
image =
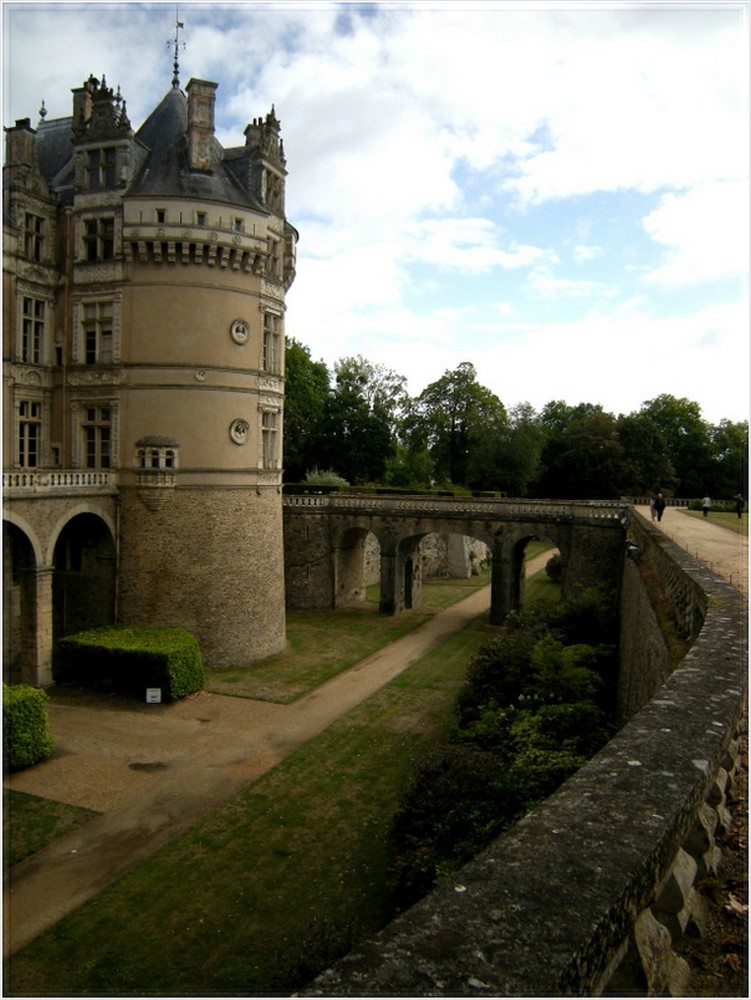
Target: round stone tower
[{"x": 198, "y": 346}]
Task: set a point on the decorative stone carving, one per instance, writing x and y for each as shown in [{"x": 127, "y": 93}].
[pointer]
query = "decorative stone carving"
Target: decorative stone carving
[
  {"x": 96, "y": 376},
  {"x": 32, "y": 377},
  {"x": 240, "y": 331},
  {"x": 239, "y": 430}
]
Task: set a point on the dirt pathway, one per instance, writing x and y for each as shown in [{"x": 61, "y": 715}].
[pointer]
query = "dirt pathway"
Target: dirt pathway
[{"x": 722, "y": 549}]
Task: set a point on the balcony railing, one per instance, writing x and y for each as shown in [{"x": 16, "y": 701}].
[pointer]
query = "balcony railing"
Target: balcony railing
[{"x": 35, "y": 481}]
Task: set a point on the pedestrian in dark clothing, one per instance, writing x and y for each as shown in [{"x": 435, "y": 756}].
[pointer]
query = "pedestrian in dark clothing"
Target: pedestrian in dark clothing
[
  {"x": 659, "y": 505},
  {"x": 739, "y": 504}
]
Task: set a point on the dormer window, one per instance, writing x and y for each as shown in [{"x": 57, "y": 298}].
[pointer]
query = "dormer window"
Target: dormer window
[{"x": 101, "y": 168}]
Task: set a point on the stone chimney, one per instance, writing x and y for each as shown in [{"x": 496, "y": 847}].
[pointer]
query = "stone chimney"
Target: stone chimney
[
  {"x": 82, "y": 104},
  {"x": 19, "y": 144},
  {"x": 201, "y": 102}
]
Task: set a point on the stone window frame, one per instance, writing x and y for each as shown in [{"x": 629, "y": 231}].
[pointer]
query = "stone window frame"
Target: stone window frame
[
  {"x": 34, "y": 236},
  {"x": 78, "y": 347},
  {"x": 270, "y": 436},
  {"x": 24, "y": 421},
  {"x": 99, "y": 243},
  {"x": 25, "y": 291},
  {"x": 271, "y": 340},
  {"x": 101, "y": 168},
  {"x": 79, "y": 415}
]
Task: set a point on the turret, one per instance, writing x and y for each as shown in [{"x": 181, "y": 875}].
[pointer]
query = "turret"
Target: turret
[{"x": 268, "y": 162}]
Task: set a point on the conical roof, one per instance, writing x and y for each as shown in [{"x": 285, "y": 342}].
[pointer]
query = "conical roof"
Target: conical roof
[{"x": 166, "y": 171}]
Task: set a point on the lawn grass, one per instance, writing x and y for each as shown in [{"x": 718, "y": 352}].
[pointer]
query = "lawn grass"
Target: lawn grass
[
  {"x": 29, "y": 823},
  {"x": 321, "y": 644},
  {"x": 275, "y": 884},
  {"x": 725, "y": 519}
]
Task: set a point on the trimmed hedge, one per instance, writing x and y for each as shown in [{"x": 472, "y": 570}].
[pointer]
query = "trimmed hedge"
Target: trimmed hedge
[
  {"x": 26, "y": 730},
  {"x": 130, "y": 659}
]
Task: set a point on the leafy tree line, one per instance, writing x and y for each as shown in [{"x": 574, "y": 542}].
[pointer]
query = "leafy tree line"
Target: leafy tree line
[{"x": 361, "y": 422}]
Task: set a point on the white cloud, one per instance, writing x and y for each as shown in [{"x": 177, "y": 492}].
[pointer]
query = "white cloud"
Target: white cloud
[
  {"x": 704, "y": 231},
  {"x": 585, "y": 252},
  {"x": 407, "y": 131}
]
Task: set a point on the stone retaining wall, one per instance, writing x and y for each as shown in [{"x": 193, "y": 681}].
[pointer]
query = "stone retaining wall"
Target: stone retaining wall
[{"x": 588, "y": 894}]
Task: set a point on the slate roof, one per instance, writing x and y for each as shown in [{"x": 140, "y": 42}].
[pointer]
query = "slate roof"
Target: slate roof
[
  {"x": 165, "y": 170},
  {"x": 161, "y": 148}
]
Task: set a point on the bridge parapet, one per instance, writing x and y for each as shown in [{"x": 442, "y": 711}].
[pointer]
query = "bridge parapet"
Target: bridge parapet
[{"x": 584, "y": 511}]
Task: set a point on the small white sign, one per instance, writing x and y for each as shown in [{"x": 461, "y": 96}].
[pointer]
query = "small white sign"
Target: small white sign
[{"x": 153, "y": 696}]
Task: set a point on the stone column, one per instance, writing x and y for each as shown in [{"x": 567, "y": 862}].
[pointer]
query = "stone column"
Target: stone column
[
  {"x": 392, "y": 600},
  {"x": 502, "y": 583},
  {"x": 37, "y": 659}
]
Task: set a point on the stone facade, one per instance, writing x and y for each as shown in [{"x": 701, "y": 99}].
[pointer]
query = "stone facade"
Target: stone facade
[{"x": 144, "y": 280}]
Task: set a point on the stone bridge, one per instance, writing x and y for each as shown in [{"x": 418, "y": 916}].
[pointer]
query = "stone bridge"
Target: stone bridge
[{"x": 325, "y": 537}]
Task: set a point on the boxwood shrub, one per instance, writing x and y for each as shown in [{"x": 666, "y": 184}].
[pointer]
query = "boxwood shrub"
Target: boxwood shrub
[
  {"x": 129, "y": 659},
  {"x": 26, "y": 730}
]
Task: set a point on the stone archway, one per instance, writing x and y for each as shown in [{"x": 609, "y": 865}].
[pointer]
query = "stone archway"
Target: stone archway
[
  {"x": 19, "y": 605},
  {"x": 350, "y": 567},
  {"x": 83, "y": 583}
]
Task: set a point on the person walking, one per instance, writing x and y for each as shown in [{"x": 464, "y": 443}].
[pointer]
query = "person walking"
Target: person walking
[
  {"x": 739, "y": 504},
  {"x": 659, "y": 505},
  {"x": 652, "y": 511},
  {"x": 705, "y": 505}
]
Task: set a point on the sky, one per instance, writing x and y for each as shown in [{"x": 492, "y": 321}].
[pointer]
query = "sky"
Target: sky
[{"x": 556, "y": 192}]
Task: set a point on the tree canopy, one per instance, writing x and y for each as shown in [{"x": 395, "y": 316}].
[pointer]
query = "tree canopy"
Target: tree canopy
[{"x": 360, "y": 422}]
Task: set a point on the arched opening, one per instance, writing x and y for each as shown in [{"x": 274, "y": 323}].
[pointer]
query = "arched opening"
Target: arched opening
[
  {"x": 357, "y": 566},
  {"x": 83, "y": 584},
  {"x": 531, "y": 579},
  {"x": 18, "y": 604}
]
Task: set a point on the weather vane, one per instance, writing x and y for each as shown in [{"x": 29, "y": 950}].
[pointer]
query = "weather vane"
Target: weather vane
[{"x": 176, "y": 42}]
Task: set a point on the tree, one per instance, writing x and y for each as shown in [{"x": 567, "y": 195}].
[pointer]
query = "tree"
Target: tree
[
  {"x": 729, "y": 458},
  {"x": 521, "y": 450},
  {"x": 356, "y": 434},
  {"x": 646, "y": 463},
  {"x": 305, "y": 393},
  {"x": 687, "y": 442},
  {"x": 582, "y": 457},
  {"x": 460, "y": 423}
]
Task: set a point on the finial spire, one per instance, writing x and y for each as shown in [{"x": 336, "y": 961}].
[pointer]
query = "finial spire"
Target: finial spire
[{"x": 176, "y": 64}]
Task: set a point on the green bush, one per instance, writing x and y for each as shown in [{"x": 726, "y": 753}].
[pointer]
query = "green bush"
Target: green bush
[
  {"x": 533, "y": 710},
  {"x": 26, "y": 732},
  {"x": 460, "y": 799},
  {"x": 130, "y": 659}
]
